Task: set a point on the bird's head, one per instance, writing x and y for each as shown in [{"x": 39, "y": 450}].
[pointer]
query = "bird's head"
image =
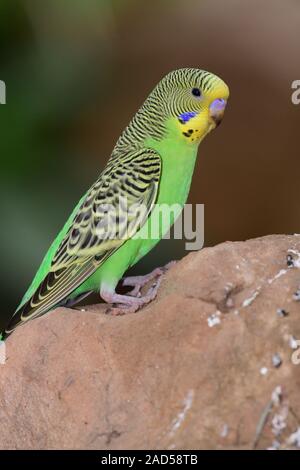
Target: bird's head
[{"x": 193, "y": 102}]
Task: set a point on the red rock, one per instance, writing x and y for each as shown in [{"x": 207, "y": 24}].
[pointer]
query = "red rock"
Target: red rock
[{"x": 162, "y": 378}]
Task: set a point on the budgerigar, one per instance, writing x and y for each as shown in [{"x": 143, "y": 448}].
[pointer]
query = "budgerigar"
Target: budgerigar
[{"x": 152, "y": 164}]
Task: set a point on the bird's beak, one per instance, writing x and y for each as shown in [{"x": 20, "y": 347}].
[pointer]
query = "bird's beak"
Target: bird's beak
[{"x": 216, "y": 110}]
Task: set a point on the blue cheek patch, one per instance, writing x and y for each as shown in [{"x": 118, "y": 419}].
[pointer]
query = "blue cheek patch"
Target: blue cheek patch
[{"x": 185, "y": 117}]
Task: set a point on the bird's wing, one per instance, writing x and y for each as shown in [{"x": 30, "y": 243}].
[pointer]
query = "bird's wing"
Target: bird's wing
[{"x": 114, "y": 209}]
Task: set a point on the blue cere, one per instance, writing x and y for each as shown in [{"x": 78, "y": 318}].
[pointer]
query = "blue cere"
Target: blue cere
[{"x": 185, "y": 117}]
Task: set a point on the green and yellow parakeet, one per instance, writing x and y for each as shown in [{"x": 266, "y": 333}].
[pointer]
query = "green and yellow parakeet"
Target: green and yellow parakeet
[{"x": 151, "y": 164}]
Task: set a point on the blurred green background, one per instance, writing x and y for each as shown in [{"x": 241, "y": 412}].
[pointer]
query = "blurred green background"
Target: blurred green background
[{"x": 77, "y": 70}]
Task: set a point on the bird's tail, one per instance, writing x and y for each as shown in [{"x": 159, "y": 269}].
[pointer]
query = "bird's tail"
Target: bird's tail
[
  {"x": 3, "y": 336},
  {"x": 2, "y": 350}
]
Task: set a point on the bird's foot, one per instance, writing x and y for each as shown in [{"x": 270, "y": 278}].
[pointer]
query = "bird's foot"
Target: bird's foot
[
  {"x": 123, "y": 304},
  {"x": 138, "y": 282}
]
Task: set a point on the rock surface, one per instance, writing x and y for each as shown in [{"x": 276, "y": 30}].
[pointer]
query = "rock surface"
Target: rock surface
[{"x": 208, "y": 364}]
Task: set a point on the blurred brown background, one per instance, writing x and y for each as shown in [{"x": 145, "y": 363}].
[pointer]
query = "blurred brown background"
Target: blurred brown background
[{"x": 76, "y": 72}]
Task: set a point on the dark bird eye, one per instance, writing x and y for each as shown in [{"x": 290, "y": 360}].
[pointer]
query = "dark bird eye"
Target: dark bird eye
[{"x": 196, "y": 92}]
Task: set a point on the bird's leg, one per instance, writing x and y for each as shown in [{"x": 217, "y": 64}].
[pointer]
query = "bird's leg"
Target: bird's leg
[
  {"x": 137, "y": 282},
  {"x": 125, "y": 303}
]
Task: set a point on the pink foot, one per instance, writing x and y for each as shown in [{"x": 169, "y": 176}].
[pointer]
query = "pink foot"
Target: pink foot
[
  {"x": 126, "y": 303},
  {"x": 137, "y": 282}
]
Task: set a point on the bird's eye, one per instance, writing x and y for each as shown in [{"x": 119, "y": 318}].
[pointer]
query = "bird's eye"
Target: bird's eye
[{"x": 196, "y": 92}]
